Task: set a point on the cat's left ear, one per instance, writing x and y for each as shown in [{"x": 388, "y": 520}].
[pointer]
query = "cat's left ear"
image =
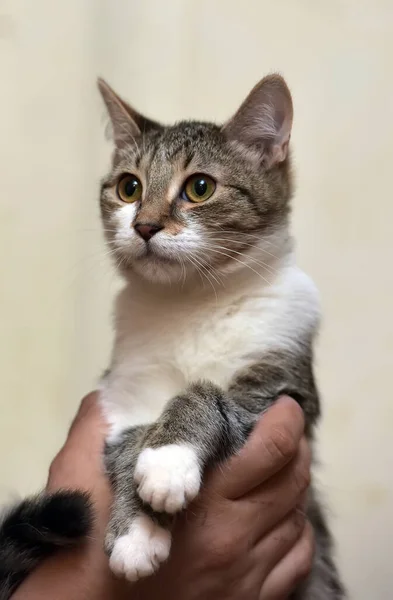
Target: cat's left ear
[
  {"x": 127, "y": 123},
  {"x": 264, "y": 120}
]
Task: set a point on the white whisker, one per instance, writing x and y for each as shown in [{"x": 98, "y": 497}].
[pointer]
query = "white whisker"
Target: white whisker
[
  {"x": 203, "y": 271},
  {"x": 245, "y": 244},
  {"x": 262, "y": 264},
  {"x": 245, "y": 234},
  {"x": 211, "y": 249}
]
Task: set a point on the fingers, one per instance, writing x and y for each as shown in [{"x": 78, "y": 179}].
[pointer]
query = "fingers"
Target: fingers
[
  {"x": 269, "y": 503},
  {"x": 88, "y": 428},
  {"x": 79, "y": 462},
  {"x": 276, "y": 544},
  {"x": 294, "y": 567},
  {"x": 89, "y": 410},
  {"x": 273, "y": 444}
]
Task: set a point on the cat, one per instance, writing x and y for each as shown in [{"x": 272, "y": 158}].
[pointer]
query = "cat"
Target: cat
[{"x": 215, "y": 320}]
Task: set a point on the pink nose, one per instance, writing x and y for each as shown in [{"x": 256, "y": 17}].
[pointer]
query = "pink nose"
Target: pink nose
[{"x": 147, "y": 230}]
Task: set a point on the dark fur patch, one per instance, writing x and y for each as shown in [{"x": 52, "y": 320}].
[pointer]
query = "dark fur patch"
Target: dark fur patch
[{"x": 33, "y": 529}]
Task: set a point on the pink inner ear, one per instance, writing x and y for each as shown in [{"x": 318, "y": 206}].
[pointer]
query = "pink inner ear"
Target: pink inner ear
[
  {"x": 264, "y": 120},
  {"x": 277, "y": 154}
]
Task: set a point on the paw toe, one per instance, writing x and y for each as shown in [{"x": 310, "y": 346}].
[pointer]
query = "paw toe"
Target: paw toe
[
  {"x": 168, "y": 477},
  {"x": 139, "y": 552}
]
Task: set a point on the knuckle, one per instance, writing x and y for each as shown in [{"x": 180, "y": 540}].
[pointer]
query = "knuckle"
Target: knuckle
[
  {"x": 305, "y": 451},
  {"x": 298, "y": 522},
  {"x": 305, "y": 554},
  {"x": 302, "y": 467},
  {"x": 281, "y": 444},
  {"x": 56, "y": 466},
  {"x": 57, "y": 461},
  {"x": 302, "y": 478},
  {"x": 86, "y": 410},
  {"x": 88, "y": 402},
  {"x": 292, "y": 528},
  {"x": 52, "y": 469}
]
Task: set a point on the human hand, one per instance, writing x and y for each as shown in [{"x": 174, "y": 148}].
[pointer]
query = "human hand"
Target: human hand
[
  {"x": 82, "y": 573},
  {"x": 244, "y": 537}
]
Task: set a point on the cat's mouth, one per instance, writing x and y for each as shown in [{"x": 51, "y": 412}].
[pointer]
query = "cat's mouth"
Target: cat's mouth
[
  {"x": 158, "y": 266},
  {"x": 150, "y": 253}
]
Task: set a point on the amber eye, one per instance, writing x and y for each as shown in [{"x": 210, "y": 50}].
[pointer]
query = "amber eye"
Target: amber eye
[
  {"x": 129, "y": 188},
  {"x": 198, "y": 188}
]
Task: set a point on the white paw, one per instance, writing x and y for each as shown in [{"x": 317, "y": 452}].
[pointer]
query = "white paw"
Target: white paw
[
  {"x": 168, "y": 477},
  {"x": 140, "y": 552}
]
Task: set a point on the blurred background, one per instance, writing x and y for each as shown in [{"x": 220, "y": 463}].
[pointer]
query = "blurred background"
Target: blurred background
[{"x": 199, "y": 58}]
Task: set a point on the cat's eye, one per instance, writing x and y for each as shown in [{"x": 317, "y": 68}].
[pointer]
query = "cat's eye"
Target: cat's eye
[
  {"x": 129, "y": 188},
  {"x": 198, "y": 188}
]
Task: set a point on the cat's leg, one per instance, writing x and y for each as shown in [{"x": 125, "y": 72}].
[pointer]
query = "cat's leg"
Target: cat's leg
[
  {"x": 197, "y": 428},
  {"x": 137, "y": 540},
  {"x": 156, "y": 469},
  {"x": 205, "y": 424}
]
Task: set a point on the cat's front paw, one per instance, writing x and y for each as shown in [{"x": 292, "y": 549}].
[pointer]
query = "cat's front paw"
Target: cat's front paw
[
  {"x": 168, "y": 477},
  {"x": 140, "y": 552}
]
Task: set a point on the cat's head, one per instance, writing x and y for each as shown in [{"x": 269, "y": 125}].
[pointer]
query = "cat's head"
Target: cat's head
[{"x": 196, "y": 199}]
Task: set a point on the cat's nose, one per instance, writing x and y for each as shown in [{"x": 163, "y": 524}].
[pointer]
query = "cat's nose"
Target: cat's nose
[{"x": 147, "y": 230}]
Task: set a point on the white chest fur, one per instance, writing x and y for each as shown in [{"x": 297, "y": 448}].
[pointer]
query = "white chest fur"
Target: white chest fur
[{"x": 163, "y": 343}]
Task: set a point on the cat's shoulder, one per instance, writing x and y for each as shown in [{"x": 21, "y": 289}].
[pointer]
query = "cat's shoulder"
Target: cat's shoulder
[
  {"x": 290, "y": 285},
  {"x": 300, "y": 295},
  {"x": 296, "y": 281},
  {"x": 289, "y": 305}
]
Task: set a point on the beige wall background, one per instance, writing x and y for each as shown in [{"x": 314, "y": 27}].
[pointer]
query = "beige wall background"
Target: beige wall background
[{"x": 178, "y": 59}]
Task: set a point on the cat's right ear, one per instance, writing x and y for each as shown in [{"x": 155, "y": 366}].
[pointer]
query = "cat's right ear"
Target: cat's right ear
[
  {"x": 127, "y": 123},
  {"x": 263, "y": 122}
]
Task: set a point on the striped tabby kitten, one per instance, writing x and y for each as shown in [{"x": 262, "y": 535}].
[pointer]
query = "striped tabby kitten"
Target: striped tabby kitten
[{"x": 215, "y": 321}]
